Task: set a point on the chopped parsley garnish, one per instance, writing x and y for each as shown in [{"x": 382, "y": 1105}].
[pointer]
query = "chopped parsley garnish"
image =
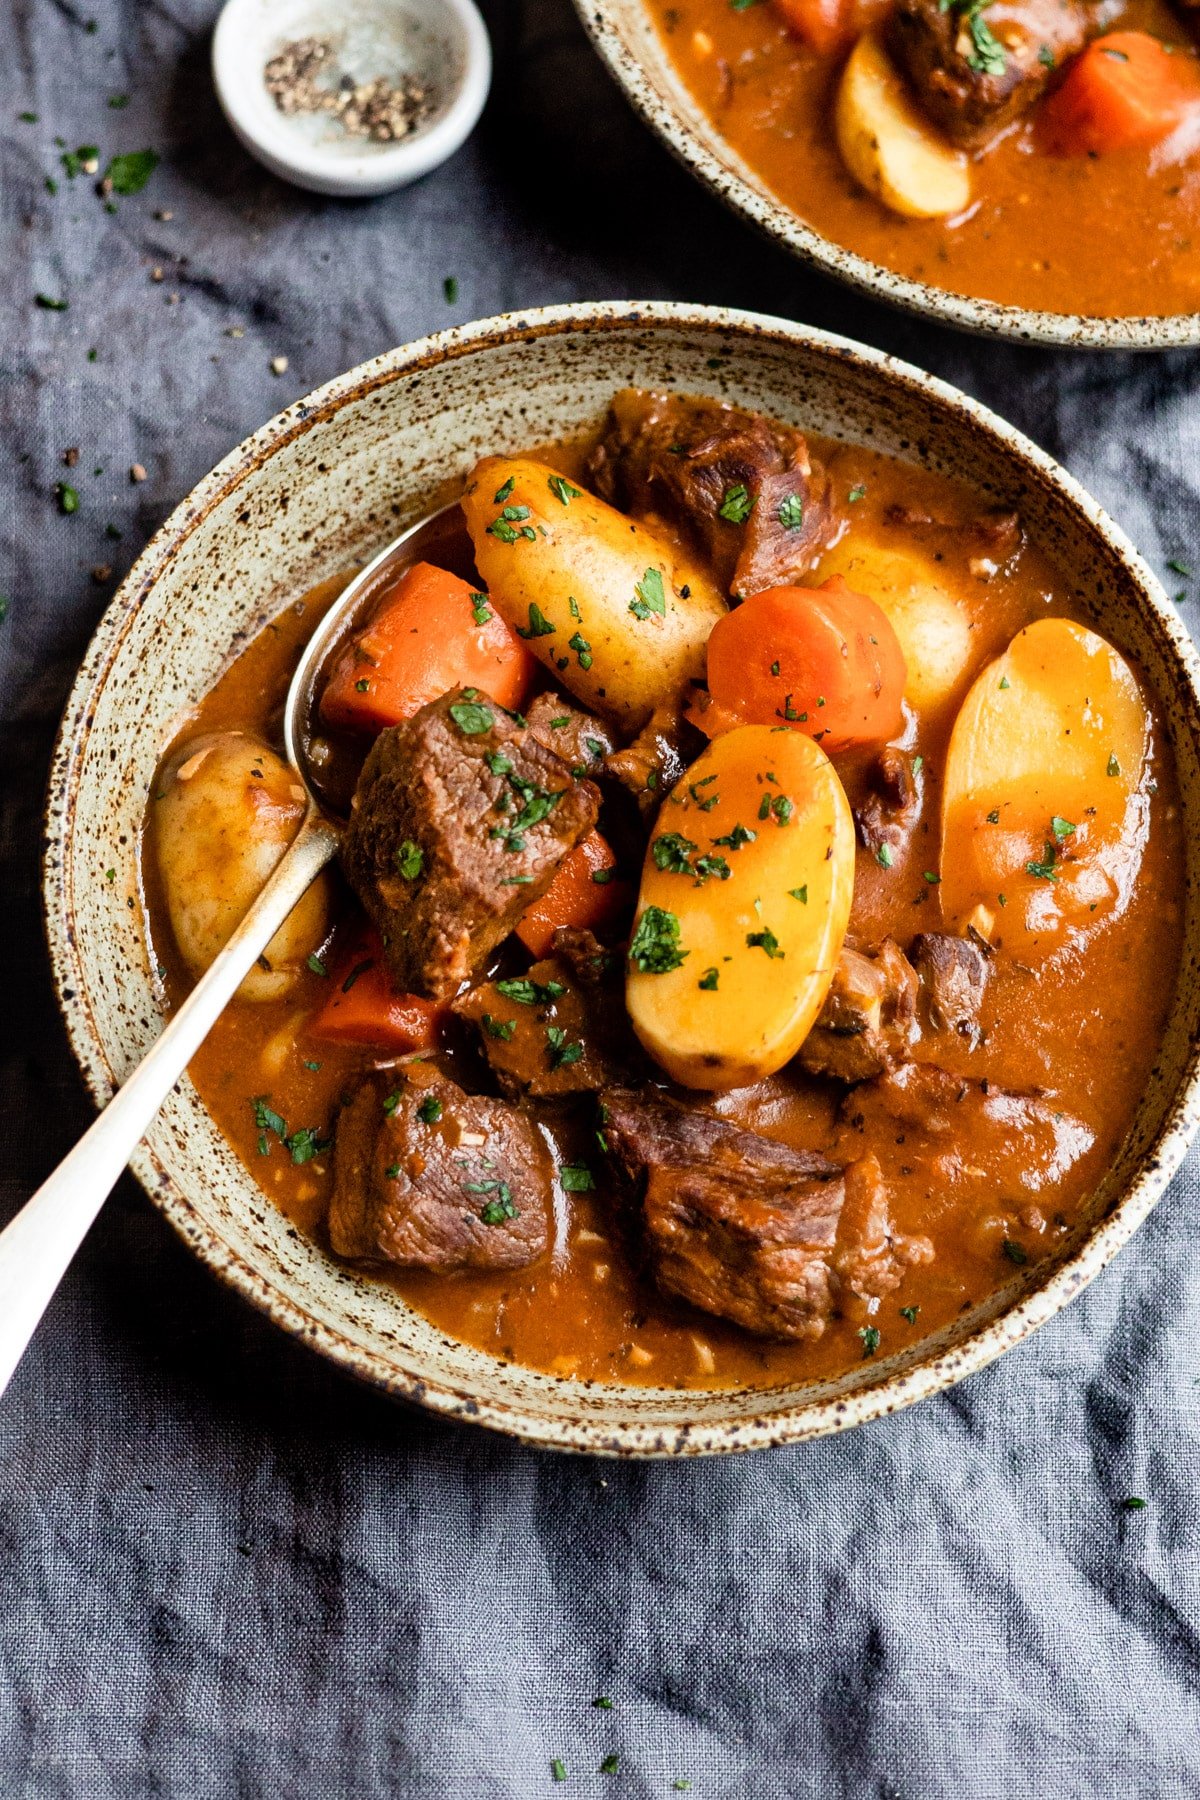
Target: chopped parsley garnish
[
  {"x": 49, "y": 304},
  {"x": 1132, "y": 1503},
  {"x": 496, "y": 1211},
  {"x": 314, "y": 962},
  {"x": 602, "y": 877},
  {"x": 410, "y": 860},
  {"x": 654, "y": 948},
  {"x": 706, "y": 866},
  {"x": 502, "y": 493},
  {"x": 508, "y": 528},
  {"x": 782, "y": 808},
  {"x": 789, "y": 711},
  {"x": 1114, "y": 767},
  {"x": 539, "y": 624},
  {"x": 764, "y": 807},
  {"x": 449, "y": 284},
  {"x": 480, "y": 610},
  {"x": 362, "y": 685},
  {"x": 733, "y": 840},
  {"x": 857, "y": 493},
  {"x": 577, "y": 1178},
  {"x": 870, "y": 1339},
  {"x": 68, "y": 497},
  {"x": 561, "y": 1052},
  {"x": 993, "y": 817},
  {"x": 1179, "y": 568},
  {"x": 671, "y": 853},
  {"x": 499, "y": 1028},
  {"x": 910, "y": 1313},
  {"x": 562, "y": 490},
  {"x": 530, "y": 993},
  {"x": 610, "y": 1765},
  {"x": 1062, "y": 828},
  {"x": 391, "y": 1103},
  {"x": 737, "y": 504},
  {"x": 595, "y": 747},
  {"x": 1015, "y": 1252},
  {"x": 1004, "y": 683},
  {"x": 884, "y": 857},
  {"x": 358, "y": 969},
  {"x": 1046, "y": 57},
  {"x": 765, "y": 940},
  {"x": 705, "y": 802},
  {"x": 430, "y": 1110},
  {"x": 790, "y": 512},
  {"x": 651, "y": 597},
  {"x": 499, "y": 765},
  {"x": 800, "y": 894},
  {"x": 932, "y": 877},
  {"x": 558, "y": 1769},
  {"x": 472, "y": 718},
  {"x": 583, "y": 651},
  {"x": 1045, "y": 870},
  {"x": 709, "y": 980},
  {"x": 300, "y": 1145},
  {"x": 130, "y": 173}
]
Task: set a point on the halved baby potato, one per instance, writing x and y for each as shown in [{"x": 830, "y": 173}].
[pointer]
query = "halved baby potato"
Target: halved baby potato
[
  {"x": 1044, "y": 808},
  {"x": 933, "y": 627},
  {"x": 227, "y": 809},
  {"x": 744, "y": 904},
  {"x": 617, "y": 611},
  {"x": 889, "y": 146}
]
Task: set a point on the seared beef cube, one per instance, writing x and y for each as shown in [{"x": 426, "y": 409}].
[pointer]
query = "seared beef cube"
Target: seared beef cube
[
  {"x": 974, "y": 69},
  {"x": 460, "y": 820},
  {"x": 888, "y": 812},
  {"x": 651, "y": 765},
  {"x": 866, "y": 1022},
  {"x": 993, "y": 538},
  {"x": 592, "y": 964},
  {"x": 953, "y": 972},
  {"x": 566, "y": 730},
  {"x": 778, "y": 1240},
  {"x": 427, "y": 1177},
  {"x": 546, "y": 1034},
  {"x": 743, "y": 485}
]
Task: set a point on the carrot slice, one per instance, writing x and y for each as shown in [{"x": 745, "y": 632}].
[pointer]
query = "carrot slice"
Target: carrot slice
[
  {"x": 434, "y": 632},
  {"x": 364, "y": 1008},
  {"x": 826, "y": 25},
  {"x": 1123, "y": 90},
  {"x": 825, "y": 661},
  {"x": 575, "y": 896}
]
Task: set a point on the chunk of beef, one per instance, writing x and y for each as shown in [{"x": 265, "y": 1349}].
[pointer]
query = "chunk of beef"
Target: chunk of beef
[
  {"x": 955, "y": 1126},
  {"x": 548, "y": 1034},
  {"x": 743, "y": 485},
  {"x": 953, "y": 973},
  {"x": 651, "y": 765},
  {"x": 888, "y": 811},
  {"x": 974, "y": 69},
  {"x": 778, "y": 1240},
  {"x": 993, "y": 538},
  {"x": 427, "y": 1177},
  {"x": 592, "y": 964},
  {"x": 866, "y": 1023},
  {"x": 567, "y": 731},
  {"x": 460, "y": 819}
]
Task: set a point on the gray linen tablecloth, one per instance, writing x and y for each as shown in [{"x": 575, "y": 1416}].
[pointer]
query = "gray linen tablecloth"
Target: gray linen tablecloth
[{"x": 224, "y": 1570}]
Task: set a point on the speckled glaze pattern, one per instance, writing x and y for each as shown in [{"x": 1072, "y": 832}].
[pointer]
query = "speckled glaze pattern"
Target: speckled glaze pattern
[
  {"x": 625, "y": 36},
  {"x": 330, "y": 480}
]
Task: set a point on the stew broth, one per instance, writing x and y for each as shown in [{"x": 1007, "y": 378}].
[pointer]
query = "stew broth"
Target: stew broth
[{"x": 1087, "y": 1038}]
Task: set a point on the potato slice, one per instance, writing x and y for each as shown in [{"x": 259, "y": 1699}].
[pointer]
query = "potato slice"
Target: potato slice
[
  {"x": 889, "y": 146},
  {"x": 1044, "y": 807},
  {"x": 933, "y": 626},
  {"x": 616, "y": 610},
  {"x": 228, "y": 808},
  {"x": 744, "y": 903}
]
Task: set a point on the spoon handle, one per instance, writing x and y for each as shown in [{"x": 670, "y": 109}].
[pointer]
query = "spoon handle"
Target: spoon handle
[{"x": 39, "y": 1244}]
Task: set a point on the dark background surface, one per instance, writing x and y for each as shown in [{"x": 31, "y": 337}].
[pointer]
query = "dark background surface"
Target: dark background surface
[{"x": 223, "y": 1569}]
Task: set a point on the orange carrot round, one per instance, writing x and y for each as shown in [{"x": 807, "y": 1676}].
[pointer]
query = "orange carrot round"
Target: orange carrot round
[
  {"x": 364, "y": 1008},
  {"x": 432, "y": 633},
  {"x": 824, "y": 661},
  {"x": 1125, "y": 89}
]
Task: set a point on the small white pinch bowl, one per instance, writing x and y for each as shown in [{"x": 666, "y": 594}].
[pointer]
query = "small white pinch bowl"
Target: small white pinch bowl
[{"x": 445, "y": 41}]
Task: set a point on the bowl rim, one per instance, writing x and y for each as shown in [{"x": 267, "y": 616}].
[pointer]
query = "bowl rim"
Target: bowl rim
[
  {"x": 926, "y": 1375},
  {"x": 729, "y": 177}
]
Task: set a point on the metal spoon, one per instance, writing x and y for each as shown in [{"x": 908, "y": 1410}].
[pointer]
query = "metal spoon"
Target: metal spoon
[{"x": 39, "y": 1244}]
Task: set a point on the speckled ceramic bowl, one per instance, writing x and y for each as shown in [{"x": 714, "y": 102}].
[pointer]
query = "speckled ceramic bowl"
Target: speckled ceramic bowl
[
  {"x": 624, "y": 34},
  {"x": 329, "y": 481}
]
